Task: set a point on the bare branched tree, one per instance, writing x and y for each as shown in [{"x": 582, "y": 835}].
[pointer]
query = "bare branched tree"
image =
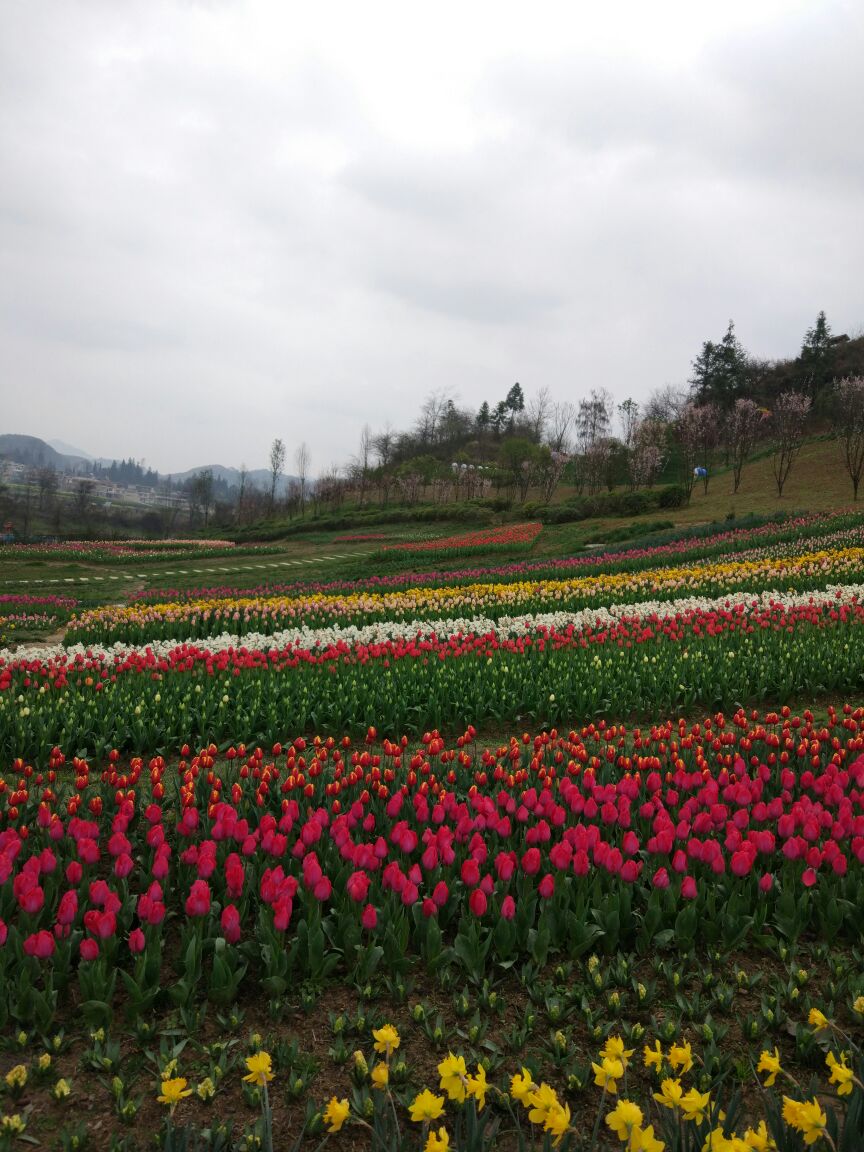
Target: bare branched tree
[
  {"x": 384, "y": 444},
  {"x": 743, "y": 423},
  {"x": 849, "y": 425},
  {"x": 666, "y": 403},
  {"x": 538, "y": 412},
  {"x": 561, "y": 418},
  {"x": 301, "y": 459},
  {"x": 242, "y": 481},
  {"x": 593, "y": 421},
  {"x": 628, "y": 414},
  {"x": 277, "y": 465},
  {"x": 688, "y": 434}
]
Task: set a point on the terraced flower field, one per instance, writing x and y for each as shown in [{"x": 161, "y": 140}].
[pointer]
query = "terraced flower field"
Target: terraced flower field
[{"x": 495, "y": 858}]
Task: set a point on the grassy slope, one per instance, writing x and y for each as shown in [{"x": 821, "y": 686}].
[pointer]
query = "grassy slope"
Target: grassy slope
[{"x": 818, "y": 482}]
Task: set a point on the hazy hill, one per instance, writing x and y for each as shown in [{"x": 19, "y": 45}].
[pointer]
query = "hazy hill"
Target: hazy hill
[
  {"x": 36, "y": 453},
  {"x": 69, "y": 450},
  {"x": 256, "y": 477}
]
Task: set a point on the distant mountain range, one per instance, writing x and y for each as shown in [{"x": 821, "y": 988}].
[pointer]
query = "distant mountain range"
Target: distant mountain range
[{"x": 36, "y": 453}]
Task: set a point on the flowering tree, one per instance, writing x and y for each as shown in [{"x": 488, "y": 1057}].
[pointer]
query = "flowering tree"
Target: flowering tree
[
  {"x": 696, "y": 433},
  {"x": 647, "y": 452},
  {"x": 743, "y": 423},
  {"x": 849, "y": 425},
  {"x": 787, "y": 430}
]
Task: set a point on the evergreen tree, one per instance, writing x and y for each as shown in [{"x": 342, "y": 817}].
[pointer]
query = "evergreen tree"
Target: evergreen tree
[
  {"x": 815, "y": 355},
  {"x": 515, "y": 399},
  {"x": 499, "y": 417},
  {"x": 721, "y": 371}
]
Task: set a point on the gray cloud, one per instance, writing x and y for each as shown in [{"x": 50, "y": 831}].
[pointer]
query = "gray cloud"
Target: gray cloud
[{"x": 220, "y": 222}]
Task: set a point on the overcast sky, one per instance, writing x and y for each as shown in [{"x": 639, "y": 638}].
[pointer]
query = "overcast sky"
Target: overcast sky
[{"x": 221, "y": 222}]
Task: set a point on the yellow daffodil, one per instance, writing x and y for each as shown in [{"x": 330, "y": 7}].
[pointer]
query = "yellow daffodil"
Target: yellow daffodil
[
  {"x": 259, "y": 1069},
  {"x": 542, "y": 1101},
  {"x": 841, "y": 1074},
  {"x": 437, "y": 1141},
  {"x": 858, "y": 1006},
  {"x": 653, "y": 1057},
  {"x": 454, "y": 1077},
  {"x": 426, "y": 1106},
  {"x": 670, "y": 1093},
  {"x": 694, "y": 1105},
  {"x": 718, "y": 1141},
  {"x": 644, "y": 1140},
  {"x": 386, "y": 1040},
  {"x": 206, "y": 1090},
  {"x": 477, "y": 1087},
  {"x": 61, "y": 1089},
  {"x": 607, "y": 1074},
  {"x": 380, "y": 1076},
  {"x": 681, "y": 1058},
  {"x": 336, "y": 1113},
  {"x": 173, "y": 1091},
  {"x": 623, "y": 1118},
  {"x": 805, "y": 1117},
  {"x": 521, "y": 1086},
  {"x": 769, "y": 1063},
  {"x": 557, "y": 1123},
  {"x": 818, "y": 1020},
  {"x": 614, "y": 1049},
  {"x": 759, "y": 1139}
]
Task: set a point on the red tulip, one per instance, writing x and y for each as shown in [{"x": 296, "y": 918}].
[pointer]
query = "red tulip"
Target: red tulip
[
  {"x": 230, "y": 924},
  {"x": 89, "y": 949},
  {"x": 198, "y": 900},
  {"x": 477, "y": 902},
  {"x": 688, "y": 888},
  {"x": 39, "y": 944},
  {"x": 357, "y": 886},
  {"x": 546, "y": 887}
]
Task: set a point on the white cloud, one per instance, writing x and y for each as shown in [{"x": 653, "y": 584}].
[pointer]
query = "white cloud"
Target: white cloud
[{"x": 220, "y": 222}]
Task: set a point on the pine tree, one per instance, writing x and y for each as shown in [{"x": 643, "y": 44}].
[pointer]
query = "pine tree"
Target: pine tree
[
  {"x": 515, "y": 399},
  {"x": 815, "y": 355},
  {"x": 721, "y": 371}
]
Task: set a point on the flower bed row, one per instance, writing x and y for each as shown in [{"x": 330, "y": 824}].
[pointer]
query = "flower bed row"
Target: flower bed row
[
  {"x": 138, "y": 623},
  {"x": 302, "y": 859},
  {"x": 503, "y": 627},
  {"x": 688, "y": 658},
  {"x": 509, "y": 537},
  {"x": 24, "y": 600},
  {"x": 107, "y": 551},
  {"x": 800, "y": 529}
]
